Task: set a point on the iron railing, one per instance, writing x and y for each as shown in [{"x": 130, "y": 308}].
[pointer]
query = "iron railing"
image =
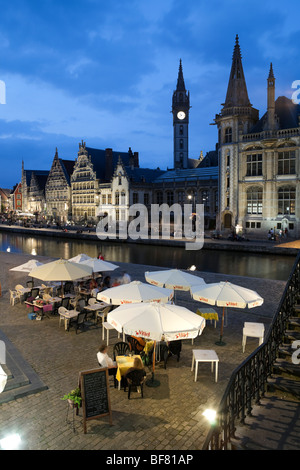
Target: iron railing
[{"x": 247, "y": 384}]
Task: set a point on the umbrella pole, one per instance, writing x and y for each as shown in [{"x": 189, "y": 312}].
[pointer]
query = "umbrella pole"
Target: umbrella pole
[
  {"x": 153, "y": 382},
  {"x": 220, "y": 342}
]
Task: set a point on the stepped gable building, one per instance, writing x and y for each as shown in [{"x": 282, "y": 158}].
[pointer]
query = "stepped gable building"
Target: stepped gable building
[
  {"x": 16, "y": 195},
  {"x": 58, "y": 189},
  {"x": 259, "y": 159},
  {"x": 91, "y": 180}
]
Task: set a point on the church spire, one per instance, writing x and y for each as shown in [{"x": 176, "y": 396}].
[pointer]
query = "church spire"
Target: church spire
[
  {"x": 180, "y": 79},
  {"x": 237, "y": 94},
  {"x": 271, "y": 118}
]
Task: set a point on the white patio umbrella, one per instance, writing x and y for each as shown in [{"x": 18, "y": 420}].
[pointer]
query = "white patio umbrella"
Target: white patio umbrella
[
  {"x": 61, "y": 270},
  {"x": 156, "y": 321},
  {"x": 99, "y": 265},
  {"x": 226, "y": 294},
  {"x": 134, "y": 292},
  {"x": 79, "y": 258},
  {"x": 27, "y": 267},
  {"x": 173, "y": 279}
]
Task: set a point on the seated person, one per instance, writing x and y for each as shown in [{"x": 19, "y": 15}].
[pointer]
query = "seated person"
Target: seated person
[
  {"x": 93, "y": 284},
  {"x": 137, "y": 365},
  {"x": 106, "y": 282},
  {"x": 136, "y": 373},
  {"x": 103, "y": 358},
  {"x": 105, "y": 361},
  {"x": 141, "y": 343}
]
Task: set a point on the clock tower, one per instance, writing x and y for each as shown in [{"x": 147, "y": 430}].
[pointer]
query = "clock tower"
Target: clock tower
[{"x": 180, "y": 110}]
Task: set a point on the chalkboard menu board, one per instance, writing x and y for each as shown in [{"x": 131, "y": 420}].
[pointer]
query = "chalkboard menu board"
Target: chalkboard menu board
[{"x": 95, "y": 394}]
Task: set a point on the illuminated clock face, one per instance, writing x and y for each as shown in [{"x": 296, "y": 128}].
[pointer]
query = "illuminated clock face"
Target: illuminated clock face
[{"x": 181, "y": 115}]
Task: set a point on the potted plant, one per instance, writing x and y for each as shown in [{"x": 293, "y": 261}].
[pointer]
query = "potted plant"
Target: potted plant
[{"x": 74, "y": 397}]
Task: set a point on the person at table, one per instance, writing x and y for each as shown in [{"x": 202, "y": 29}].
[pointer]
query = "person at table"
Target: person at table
[
  {"x": 106, "y": 282},
  {"x": 137, "y": 365},
  {"x": 103, "y": 357},
  {"x": 135, "y": 373},
  {"x": 105, "y": 361},
  {"x": 93, "y": 284}
]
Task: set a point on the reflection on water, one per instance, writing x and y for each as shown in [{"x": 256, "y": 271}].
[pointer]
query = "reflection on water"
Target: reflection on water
[{"x": 235, "y": 263}]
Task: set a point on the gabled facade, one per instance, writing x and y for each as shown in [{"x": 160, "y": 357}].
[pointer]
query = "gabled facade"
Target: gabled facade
[
  {"x": 91, "y": 180},
  {"x": 58, "y": 190},
  {"x": 16, "y": 195}
]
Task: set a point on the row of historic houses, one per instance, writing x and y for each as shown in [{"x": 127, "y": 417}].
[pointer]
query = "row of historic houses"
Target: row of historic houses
[
  {"x": 249, "y": 182},
  {"x": 102, "y": 183}
]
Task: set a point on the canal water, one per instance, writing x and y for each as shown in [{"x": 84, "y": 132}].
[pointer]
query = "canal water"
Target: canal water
[{"x": 265, "y": 266}]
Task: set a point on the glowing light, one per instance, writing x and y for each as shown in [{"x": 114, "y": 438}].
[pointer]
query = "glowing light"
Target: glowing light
[
  {"x": 10, "y": 442},
  {"x": 192, "y": 268},
  {"x": 210, "y": 415}
]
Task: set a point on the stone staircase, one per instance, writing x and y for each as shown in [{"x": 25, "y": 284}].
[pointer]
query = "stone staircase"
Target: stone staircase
[
  {"x": 286, "y": 372},
  {"x": 274, "y": 423},
  {"x": 21, "y": 378}
]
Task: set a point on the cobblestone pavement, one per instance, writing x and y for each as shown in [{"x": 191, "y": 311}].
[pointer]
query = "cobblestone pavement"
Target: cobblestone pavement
[{"x": 169, "y": 417}]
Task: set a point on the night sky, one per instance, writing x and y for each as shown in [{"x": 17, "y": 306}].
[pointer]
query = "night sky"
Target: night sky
[{"x": 104, "y": 72}]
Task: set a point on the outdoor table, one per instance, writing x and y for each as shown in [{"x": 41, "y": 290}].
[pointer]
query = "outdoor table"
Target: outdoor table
[
  {"x": 96, "y": 309},
  {"x": 208, "y": 314},
  {"x": 123, "y": 364},
  {"x": 107, "y": 326},
  {"x": 205, "y": 355},
  {"x": 67, "y": 316},
  {"x": 39, "y": 307}
]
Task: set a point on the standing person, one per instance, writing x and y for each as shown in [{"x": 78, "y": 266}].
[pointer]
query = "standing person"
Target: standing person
[{"x": 100, "y": 256}]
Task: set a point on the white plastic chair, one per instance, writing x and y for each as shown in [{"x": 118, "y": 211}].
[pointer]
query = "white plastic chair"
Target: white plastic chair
[
  {"x": 14, "y": 297},
  {"x": 253, "y": 330},
  {"x": 61, "y": 311}
]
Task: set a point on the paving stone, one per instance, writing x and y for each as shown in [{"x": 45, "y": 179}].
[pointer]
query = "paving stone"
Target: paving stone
[{"x": 168, "y": 417}]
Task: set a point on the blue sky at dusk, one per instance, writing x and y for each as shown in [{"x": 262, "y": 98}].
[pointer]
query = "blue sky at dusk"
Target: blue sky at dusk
[{"x": 104, "y": 72}]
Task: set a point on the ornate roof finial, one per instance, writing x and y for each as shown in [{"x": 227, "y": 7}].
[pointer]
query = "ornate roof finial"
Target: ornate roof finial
[
  {"x": 180, "y": 79},
  {"x": 271, "y": 73}
]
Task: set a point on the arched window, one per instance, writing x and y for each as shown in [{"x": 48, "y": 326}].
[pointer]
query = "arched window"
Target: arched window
[
  {"x": 286, "y": 200},
  {"x": 254, "y": 200}
]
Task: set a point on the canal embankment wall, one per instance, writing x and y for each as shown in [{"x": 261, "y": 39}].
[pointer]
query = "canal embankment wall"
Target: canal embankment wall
[{"x": 285, "y": 247}]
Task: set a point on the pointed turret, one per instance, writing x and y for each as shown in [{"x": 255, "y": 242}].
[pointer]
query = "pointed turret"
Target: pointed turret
[
  {"x": 180, "y": 79},
  {"x": 237, "y": 94},
  {"x": 271, "y": 100}
]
